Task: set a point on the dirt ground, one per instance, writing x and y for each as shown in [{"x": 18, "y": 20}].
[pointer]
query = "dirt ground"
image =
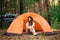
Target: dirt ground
[{"x": 29, "y": 36}]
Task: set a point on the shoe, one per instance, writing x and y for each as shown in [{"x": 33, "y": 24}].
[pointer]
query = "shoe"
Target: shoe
[{"x": 35, "y": 34}]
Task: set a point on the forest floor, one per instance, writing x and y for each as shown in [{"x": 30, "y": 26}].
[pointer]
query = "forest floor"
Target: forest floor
[{"x": 29, "y": 36}]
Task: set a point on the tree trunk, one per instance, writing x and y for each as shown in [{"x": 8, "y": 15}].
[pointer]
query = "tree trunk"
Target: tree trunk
[
  {"x": 59, "y": 3},
  {"x": 47, "y": 5},
  {"x": 41, "y": 6},
  {"x": 21, "y": 6},
  {"x": 14, "y": 8},
  {"x": 5, "y": 4},
  {"x": 1, "y": 15}
]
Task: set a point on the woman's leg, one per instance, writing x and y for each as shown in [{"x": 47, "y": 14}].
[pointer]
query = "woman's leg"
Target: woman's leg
[
  {"x": 33, "y": 30},
  {"x": 26, "y": 30}
]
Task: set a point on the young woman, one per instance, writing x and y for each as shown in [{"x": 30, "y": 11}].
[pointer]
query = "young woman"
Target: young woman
[{"x": 30, "y": 25}]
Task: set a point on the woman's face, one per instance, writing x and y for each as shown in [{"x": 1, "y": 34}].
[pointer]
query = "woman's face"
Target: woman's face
[{"x": 29, "y": 19}]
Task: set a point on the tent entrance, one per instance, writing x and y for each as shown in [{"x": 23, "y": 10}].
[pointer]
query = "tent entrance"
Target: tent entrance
[{"x": 37, "y": 26}]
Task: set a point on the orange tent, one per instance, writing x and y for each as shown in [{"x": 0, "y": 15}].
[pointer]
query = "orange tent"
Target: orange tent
[{"x": 18, "y": 25}]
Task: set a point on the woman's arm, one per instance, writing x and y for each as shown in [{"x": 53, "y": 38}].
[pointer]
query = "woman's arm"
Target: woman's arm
[
  {"x": 33, "y": 24},
  {"x": 26, "y": 24},
  {"x": 26, "y": 27}
]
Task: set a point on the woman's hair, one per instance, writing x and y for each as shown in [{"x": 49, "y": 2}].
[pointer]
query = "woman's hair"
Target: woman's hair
[{"x": 30, "y": 22}]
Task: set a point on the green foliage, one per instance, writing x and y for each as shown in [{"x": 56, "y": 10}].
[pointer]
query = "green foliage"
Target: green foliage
[
  {"x": 55, "y": 13},
  {"x": 55, "y": 16},
  {"x": 9, "y": 6},
  {"x": 5, "y": 25},
  {"x": 56, "y": 25},
  {"x": 27, "y": 5},
  {"x": 36, "y": 0},
  {"x": 13, "y": 4}
]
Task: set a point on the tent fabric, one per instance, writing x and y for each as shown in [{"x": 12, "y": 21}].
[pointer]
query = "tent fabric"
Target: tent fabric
[{"x": 18, "y": 24}]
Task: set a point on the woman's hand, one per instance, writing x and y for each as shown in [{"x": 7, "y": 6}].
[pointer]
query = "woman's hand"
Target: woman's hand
[{"x": 26, "y": 30}]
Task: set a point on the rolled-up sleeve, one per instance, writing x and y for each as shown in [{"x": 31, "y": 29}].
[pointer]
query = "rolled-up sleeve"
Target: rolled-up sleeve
[{"x": 27, "y": 24}]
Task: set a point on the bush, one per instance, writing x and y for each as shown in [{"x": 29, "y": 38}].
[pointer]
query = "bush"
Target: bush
[{"x": 55, "y": 16}]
